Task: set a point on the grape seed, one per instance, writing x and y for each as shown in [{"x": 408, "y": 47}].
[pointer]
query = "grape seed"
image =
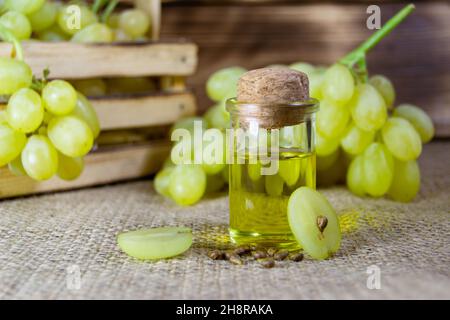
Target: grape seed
[
  {"x": 322, "y": 223},
  {"x": 216, "y": 255},
  {"x": 259, "y": 254},
  {"x": 281, "y": 255},
  {"x": 296, "y": 257},
  {"x": 235, "y": 259},
  {"x": 267, "y": 263}
]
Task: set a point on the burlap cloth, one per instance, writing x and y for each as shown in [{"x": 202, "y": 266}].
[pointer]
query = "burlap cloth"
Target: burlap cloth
[{"x": 41, "y": 236}]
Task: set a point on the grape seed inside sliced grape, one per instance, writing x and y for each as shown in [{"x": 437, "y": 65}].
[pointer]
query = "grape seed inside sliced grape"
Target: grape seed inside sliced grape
[
  {"x": 314, "y": 223},
  {"x": 155, "y": 243}
]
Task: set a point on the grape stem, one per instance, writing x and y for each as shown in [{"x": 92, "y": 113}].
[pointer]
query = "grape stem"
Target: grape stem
[
  {"x": 7, "y": 36},
  {"x": 97, "y": 5},
  {"x": 357, "y": 57},
  {"x": 108, "y": 10}
]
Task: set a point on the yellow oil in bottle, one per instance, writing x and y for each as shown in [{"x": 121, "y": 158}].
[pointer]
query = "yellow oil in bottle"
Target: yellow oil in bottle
[{"x": 258, "y": 203}]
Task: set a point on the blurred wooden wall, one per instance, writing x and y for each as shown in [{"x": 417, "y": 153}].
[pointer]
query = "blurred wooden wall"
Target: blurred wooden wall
[{"x": 416, "y": 56}]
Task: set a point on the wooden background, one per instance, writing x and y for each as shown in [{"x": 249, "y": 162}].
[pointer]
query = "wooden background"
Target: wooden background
[{"x": 416, "y": 56}]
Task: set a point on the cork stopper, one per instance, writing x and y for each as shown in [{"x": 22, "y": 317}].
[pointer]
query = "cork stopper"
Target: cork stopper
[
  {"x": 273, "y": 86},
  {"x": 272, "y": 97}
]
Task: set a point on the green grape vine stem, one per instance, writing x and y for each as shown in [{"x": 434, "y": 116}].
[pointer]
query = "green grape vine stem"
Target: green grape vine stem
[
  {"x": 97, "y": 5},
  {"x": 7, "y": 36},
  {"x": 356, "y": 59},
  {"x": 108, "y": 10}
]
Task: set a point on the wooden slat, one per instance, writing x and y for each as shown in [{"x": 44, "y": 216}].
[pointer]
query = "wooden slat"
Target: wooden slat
[
  {"x": 144, "y": 111},
  {"x": 416, "y": 56},
  {"x": 101, "y": 167},
  {"x": 69, "y": 60}
]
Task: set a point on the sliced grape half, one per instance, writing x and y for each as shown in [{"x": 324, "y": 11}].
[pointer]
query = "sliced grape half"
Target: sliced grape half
[
  {"x": 314, "y": 223},
  {"x": 155, "y": 243}
]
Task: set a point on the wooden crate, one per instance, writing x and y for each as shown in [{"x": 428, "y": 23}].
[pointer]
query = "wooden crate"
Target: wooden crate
[
  {"x": 106, "y": 165},
  {"x": 177, "y": 59},
  {"x": 170, "y": 61}
]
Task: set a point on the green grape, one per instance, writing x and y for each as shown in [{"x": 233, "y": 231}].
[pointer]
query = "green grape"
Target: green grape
[
  {"x": 214, "y": 183},
  {"x": 401, "y": 139},
  {"x": 11, "y": 144},
  {"x": 113, "y": 20},
  {"x": 315, "y": 84},
  {"x": 187, "y": 184},
  {"x": 378, "y": 166},
  {"x": 16, "y": 167},
  {"x": 274, "y": 185},
  {"x": 368, "y": 108},
  {"x": 24, "y": 6},
  {"x": 42, "y": 131},
  {"x": 217, "y": 117},
  {"x": 52, "y": 34},
  {"x": 326, "y": 162},
  {"x": 304, "y": 67},
  {"x": 40, "y": 158},
  {"x": 385, "y": 88},
  {"x": 355, "y": 176},
  {"x": 213, "y": 153},
  {"x": 70, "y": 135},
  {"x": 289, "y": 171},
  {"x": 129, "y": 85},
  {"x": 331, "y": 119},
  {"x": 47, "y": 117},
  {"x": 25, "y": 110},
  {"x": 69, "y": 168},
  {"x": 17, "y": 24},
  {"x": 3, "y": 117},
  {"x": 14, "y": 75},
  {"x": 67, "y": 23},
  {"x": 162, "y": 181},
  {"x": 418, "y": 118},
  {"x": 406, "y": 181},
  {"x": 338, "y": 84},
  {"x": 222, "y": 84},
  {"x": 96, "y": 32},
  {"x": 155, "y": 243},
  {"x": 134, "y": 22},
  {"x": 355, "y": 140},
  {"x": 121, "y": 36},
  {"x": 60, "y": 98},
  {"x": 90, "y": 87},
  {"x": 314, "y": 223},
  {"x": 189, "y": 123},
  {"x": 45, "y": 17},
  {"x": 325, "y": 146},
  {"x": 86, "y": 112}
]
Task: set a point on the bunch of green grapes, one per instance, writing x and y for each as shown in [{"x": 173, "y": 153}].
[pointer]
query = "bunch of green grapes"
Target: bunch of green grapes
[
  {"x": 358, "y": 128},
  {"x": 186, "y": 184},
  {"x": 53, "y": 21},
  {"x": 46, "y": 127}
]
